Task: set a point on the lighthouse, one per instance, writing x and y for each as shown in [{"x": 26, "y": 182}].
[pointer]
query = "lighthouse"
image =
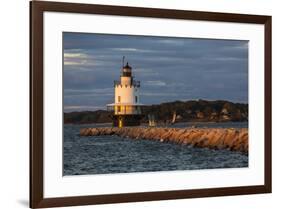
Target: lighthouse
[{"x": 126, "y": 107}]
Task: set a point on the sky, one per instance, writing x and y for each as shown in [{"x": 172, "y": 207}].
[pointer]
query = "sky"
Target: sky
[{"x": 169, "y": 69}]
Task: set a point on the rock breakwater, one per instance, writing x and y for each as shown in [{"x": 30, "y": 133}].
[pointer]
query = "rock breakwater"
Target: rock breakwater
[{"x": 214, "y": 138}]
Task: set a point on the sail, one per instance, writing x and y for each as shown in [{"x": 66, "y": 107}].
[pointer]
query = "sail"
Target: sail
[
  {"x": 151, "y": 120},
  {"x": 174, "y": 117}
]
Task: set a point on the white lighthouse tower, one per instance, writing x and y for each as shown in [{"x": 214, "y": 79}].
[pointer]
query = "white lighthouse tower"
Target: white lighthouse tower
[{"x": 127, "y": 107}]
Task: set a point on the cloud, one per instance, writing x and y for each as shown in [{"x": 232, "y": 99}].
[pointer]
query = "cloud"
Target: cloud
[
  {"x": 168, "y": 68},
  {"x": 88, "y": 92},
  {"x": 75, "y": 58},
  {"x": 175, "y": 42},
  {"x": 132, "y": 50},
  {"x": 75, "y": 55},
  {"x": 158, "y": 94},
  {"x": 145, "y": 72},
  {"x": 71, "y": 108},
  {"x": 226, "y": 59},
  {"x": 102, "y": 90},
  {"x": 155, "y": 83},
  {"x": 82, "y": 60}
]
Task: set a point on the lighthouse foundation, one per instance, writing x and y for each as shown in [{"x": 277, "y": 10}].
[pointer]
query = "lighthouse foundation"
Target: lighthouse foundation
[{"x": 126, "y": 120}]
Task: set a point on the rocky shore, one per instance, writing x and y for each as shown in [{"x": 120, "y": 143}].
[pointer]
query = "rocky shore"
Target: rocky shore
[{"x": 214, "y": 138}]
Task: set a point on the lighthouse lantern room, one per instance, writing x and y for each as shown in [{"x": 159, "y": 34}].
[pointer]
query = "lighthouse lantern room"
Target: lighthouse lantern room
[{"x": 127, "y": 107}]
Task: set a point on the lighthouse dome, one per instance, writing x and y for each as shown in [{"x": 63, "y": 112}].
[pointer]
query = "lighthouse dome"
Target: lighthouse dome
[
  {"x": 127, "y": 66},
  {"x": 127, "y": 70}
]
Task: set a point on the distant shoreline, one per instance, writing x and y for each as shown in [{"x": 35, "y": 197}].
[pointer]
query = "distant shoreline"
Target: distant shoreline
[{"x": 188, "y": 111}]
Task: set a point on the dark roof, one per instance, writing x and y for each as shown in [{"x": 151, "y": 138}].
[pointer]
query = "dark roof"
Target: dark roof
[{"x": 127, "y": 66}]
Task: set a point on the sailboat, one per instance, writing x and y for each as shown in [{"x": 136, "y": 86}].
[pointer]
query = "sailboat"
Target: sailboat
[
  {"x": 174, "y": 117},
  {"x": 151, "y": 120}
]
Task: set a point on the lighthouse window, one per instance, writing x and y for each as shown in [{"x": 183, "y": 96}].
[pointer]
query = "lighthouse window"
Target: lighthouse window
[
  {"x": 119, "y": 98},
  {"x": 136, "y": 99}
]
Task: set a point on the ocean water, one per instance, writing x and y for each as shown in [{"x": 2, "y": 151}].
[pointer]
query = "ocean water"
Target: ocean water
[{"x": 113, "y": 154}]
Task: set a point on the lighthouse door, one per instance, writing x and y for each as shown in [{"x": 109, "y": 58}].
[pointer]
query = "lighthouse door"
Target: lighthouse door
[{"x": 120, "y": 123}]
